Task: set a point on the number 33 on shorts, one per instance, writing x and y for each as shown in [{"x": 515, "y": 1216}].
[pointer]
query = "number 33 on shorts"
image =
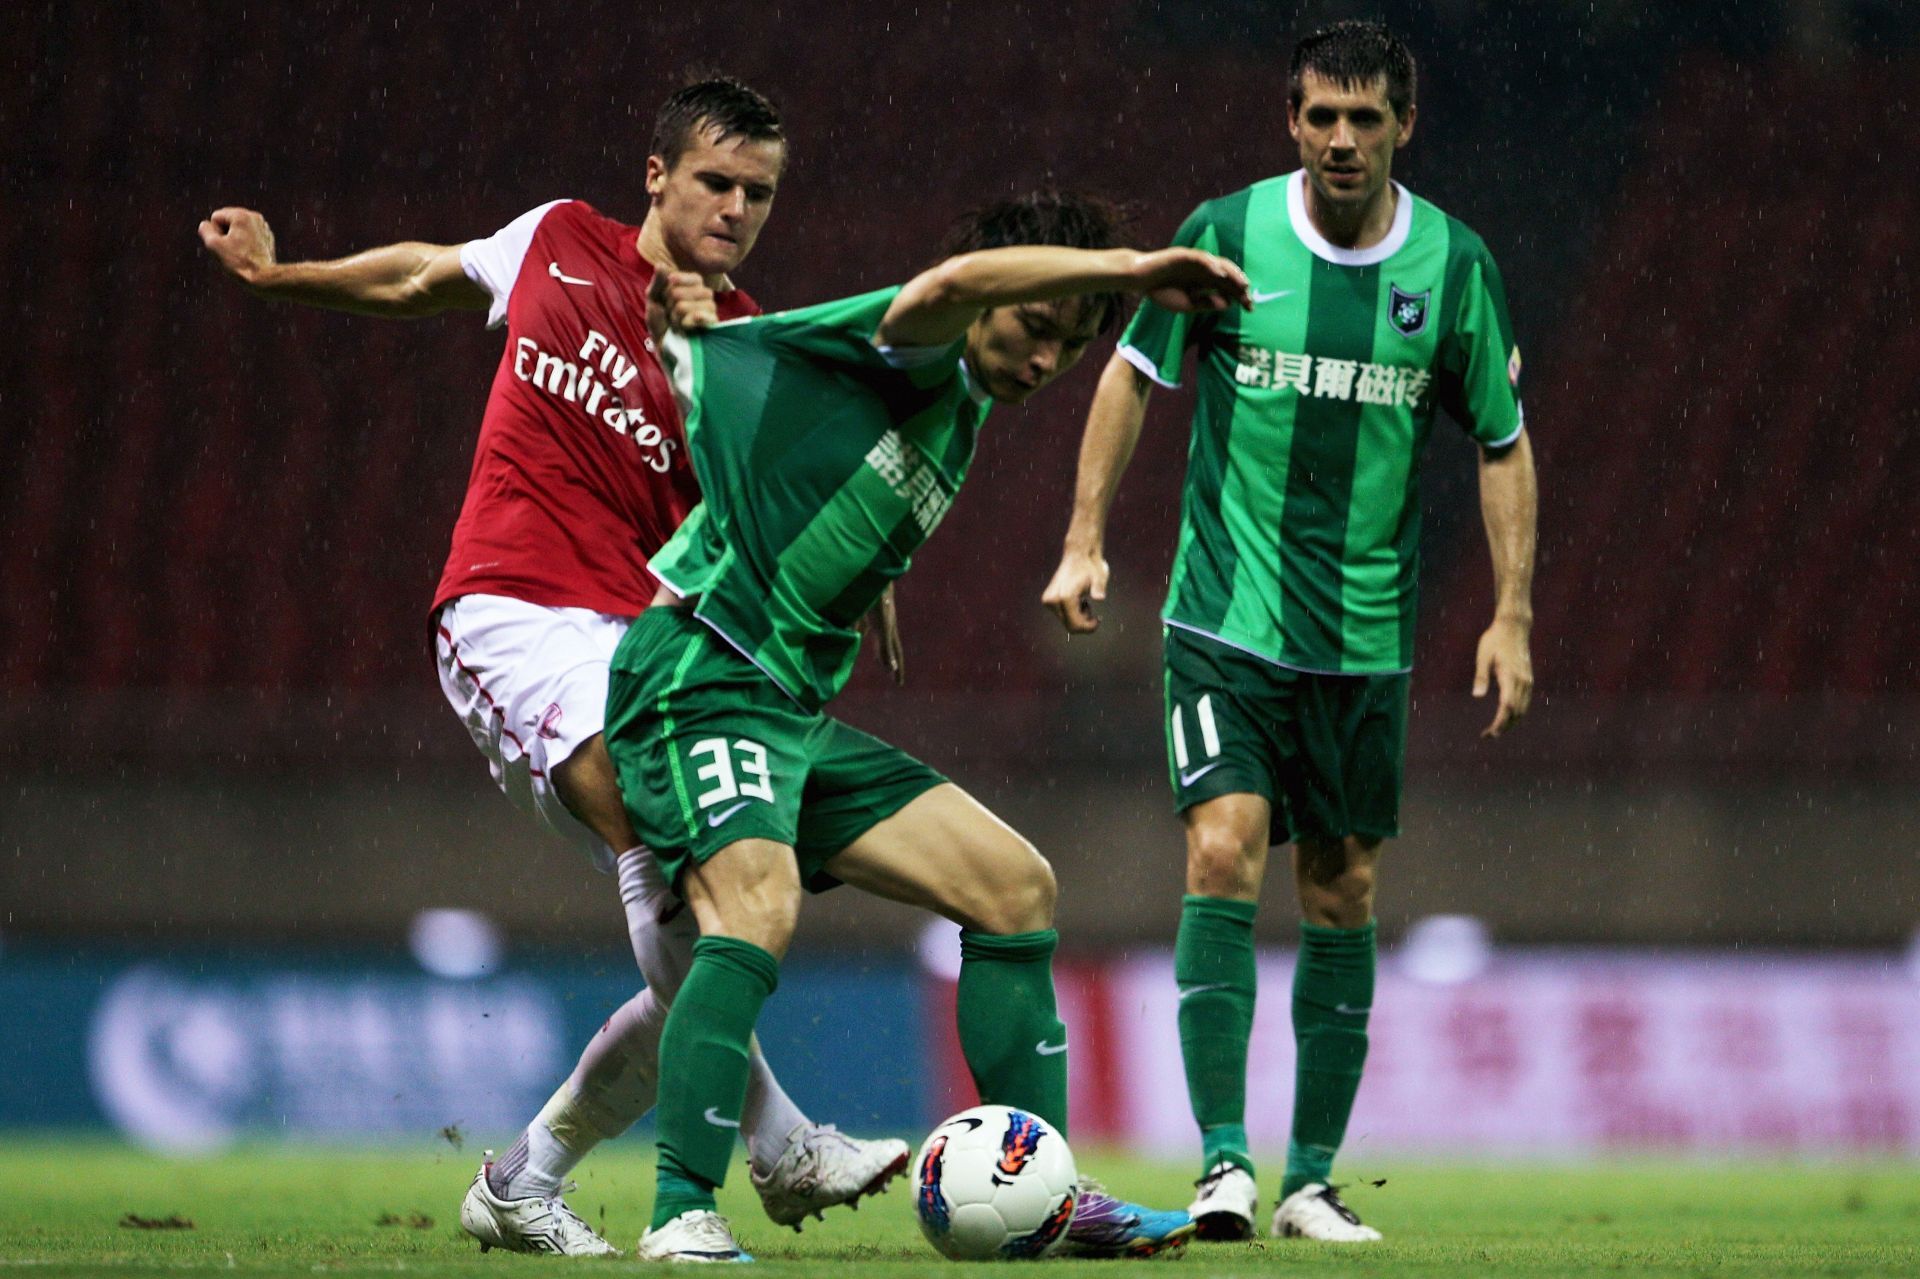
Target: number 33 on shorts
[{"x": 734, "y": 775}]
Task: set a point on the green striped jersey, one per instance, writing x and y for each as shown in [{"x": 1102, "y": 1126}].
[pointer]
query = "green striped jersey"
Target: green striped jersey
[
  {"x": 824, "y": 463},
  {"x": 1300, "y": 527}
]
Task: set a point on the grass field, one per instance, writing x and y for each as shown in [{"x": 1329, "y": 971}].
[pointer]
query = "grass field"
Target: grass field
[{"x": 275, "y": 1211}]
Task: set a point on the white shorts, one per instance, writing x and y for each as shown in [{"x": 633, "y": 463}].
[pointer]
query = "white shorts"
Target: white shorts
[{"x": 530, "y": 684}]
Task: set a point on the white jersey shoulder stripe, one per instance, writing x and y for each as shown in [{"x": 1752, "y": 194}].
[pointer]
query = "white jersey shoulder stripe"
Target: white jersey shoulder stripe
[
  {"x": 494, "y": 263},
  {"x": 1141, "y": 360}
]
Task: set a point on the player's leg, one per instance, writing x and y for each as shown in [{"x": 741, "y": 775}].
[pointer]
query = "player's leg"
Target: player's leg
[
  {"x": 1352, "y": 734},
  {"x": 712, "y": 761},
  {"x": 531, "y": 683},
  {"x": 502, "y": 664},
  {"x": 1214, "y": 969},
  {"x": 746, "y": 898},
  {"x": 1332, "y": 997},
  {"x": 662, "y": 935},
  {"x": 798, "y": 1168},
  {"x": 944, "y": 851},
  {"x": 1222, "y": 708}
]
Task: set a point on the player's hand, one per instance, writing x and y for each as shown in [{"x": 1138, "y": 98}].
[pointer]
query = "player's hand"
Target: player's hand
[
  {"x": 1189, "y": 280},
  {"x": 240, "y": 240},
  {"x": 1078, "y": 584},
  {"x": 1504, "y": 655},
  {"x": 679, "y": 300}
]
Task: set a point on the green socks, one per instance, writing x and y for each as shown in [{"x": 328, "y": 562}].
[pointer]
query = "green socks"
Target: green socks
[
  {"x": 1010, "y": 1031},
  {"x": 1332, "y": 995},
  {"x": 1213, "y": 965},
  {"x": 703, "y": 1070}
]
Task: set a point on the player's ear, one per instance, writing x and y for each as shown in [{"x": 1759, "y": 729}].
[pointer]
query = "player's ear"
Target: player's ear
[
  {"x": 1406, "y": 126},
  {"x": 656, "y": 176}
]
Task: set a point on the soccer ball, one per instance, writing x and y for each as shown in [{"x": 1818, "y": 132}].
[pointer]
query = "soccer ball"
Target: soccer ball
[{"x": 995, "y": 1182}]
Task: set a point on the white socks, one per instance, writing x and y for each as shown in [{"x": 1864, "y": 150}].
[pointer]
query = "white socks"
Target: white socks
[{"x": 617, "y": 1078}]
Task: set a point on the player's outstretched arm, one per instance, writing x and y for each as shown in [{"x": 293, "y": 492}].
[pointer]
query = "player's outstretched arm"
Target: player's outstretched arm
[
  {"x": 397, "y": 280},
  {"x": 1508, "y": 503},
  {"x": 937, "y": 305},
  {"x": 1113, "y": 428}
]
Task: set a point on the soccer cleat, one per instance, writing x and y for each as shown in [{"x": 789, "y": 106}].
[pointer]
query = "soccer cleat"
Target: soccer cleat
[
  {"x": 532, "y": 1224},
  {"x": 1107, "y": 1227},
  {"x": 822, "y": 1167},
  {"x": 1315, "y": 1211},
  {"x": 699, "y": 1234},
  {"x": 1225, "y": 1205}
]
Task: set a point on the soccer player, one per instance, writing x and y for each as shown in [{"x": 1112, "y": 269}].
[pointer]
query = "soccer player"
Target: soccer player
[
  {"x": 579, "y": 475},
  {"x": 1290, "y": 614},
  {"x": 829, "y": 442}
]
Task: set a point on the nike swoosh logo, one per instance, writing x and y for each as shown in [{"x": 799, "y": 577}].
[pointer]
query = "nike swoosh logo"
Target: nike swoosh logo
[
  {"x": 968, "y": 1120},
  {"x": 1046, "y": 1049},
  {"x": 1197, "y": 990},
  {"x": 1353, "y": 1012},
  {"x": 714, "y": 819},
  {"x": 1188, "y": 779},
  {"x": 713, "y": 1117},
  {"x": 553, "y": 269},
  {"x": 1256, "y": 297}
]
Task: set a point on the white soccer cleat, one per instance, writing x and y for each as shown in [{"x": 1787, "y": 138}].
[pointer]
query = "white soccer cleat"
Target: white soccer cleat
[
  {"x": 698, "y": 1235},
  {"x": 1224, "y": 1207},
  {"x": 532, "y": 1224},
  {"x": 1315, "y": 1211},
  {"x": 822, "y": 1167}
]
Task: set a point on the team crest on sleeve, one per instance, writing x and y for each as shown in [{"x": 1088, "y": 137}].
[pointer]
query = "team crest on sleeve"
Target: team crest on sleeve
[{"x": 1407, "y": 312}]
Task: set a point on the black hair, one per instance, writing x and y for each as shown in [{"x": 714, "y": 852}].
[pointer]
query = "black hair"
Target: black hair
[
  {"x": 1353, "y": 54},
  {"x": 1045, "y": 216},
  {"x": 715, "y": 104}
]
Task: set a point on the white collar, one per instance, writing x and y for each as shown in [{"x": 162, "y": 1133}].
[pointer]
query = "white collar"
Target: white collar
[
  {"x": 1322, "y": 247},
  {"x": 974, "y": 392}
]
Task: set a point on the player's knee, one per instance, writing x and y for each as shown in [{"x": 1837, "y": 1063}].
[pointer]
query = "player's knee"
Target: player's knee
[
  {"x": 590, "y": 788},
  {"x": 750, "y": 891},
  {"x": 1336, "y": 882},
  {"x": 769, "y": 918},
  {"x": 1022, "y": 899},
  {"x": 1223, "y": 862}
]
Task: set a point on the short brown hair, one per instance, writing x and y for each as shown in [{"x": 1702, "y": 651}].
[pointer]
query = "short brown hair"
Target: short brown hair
[
  {"x": 1353, "y": 55},
  {"x": 721, "y": 105}
]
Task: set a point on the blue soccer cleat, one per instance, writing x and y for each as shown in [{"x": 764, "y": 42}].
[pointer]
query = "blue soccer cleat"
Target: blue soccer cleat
[{"x": 1107, "y": 1227}]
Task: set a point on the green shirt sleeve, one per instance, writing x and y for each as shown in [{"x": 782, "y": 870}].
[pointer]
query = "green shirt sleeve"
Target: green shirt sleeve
[
  {"x": 1480, "y": 363},
  {"x": 1156, "y": 341}
]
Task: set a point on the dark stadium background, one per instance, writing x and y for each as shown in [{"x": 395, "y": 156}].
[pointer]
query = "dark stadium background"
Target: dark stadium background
[{"x": 221, "y": 520}]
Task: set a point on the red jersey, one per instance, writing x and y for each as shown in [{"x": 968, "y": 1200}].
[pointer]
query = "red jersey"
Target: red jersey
[{"x": 581, "y": 471}]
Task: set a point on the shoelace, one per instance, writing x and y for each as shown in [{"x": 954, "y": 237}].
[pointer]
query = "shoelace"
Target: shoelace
[
  {"x": 1212, "y": 1179},
  {"x": 710, "y": 1233},
  {"x": 828, "y": 1132},
  {"x": 558, "y": 1207},
  {"x": 1331, "y": 1197},
  {"x": 810, "y": 1145}
]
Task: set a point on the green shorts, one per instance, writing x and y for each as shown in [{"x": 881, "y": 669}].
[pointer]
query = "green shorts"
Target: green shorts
[
  {"x": 1327, "y": 751},
  {"x": 710, "y": 751}
]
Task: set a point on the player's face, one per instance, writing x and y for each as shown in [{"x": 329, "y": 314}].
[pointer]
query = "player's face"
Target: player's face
[
  {"x": 1013, "y": 351},
  {"x": 712, "y": 203},
  {"x": 1347, "y": 138}
]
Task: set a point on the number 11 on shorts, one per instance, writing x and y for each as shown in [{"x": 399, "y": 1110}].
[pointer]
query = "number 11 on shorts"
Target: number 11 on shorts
[{"x": 1209, "y": 738}]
